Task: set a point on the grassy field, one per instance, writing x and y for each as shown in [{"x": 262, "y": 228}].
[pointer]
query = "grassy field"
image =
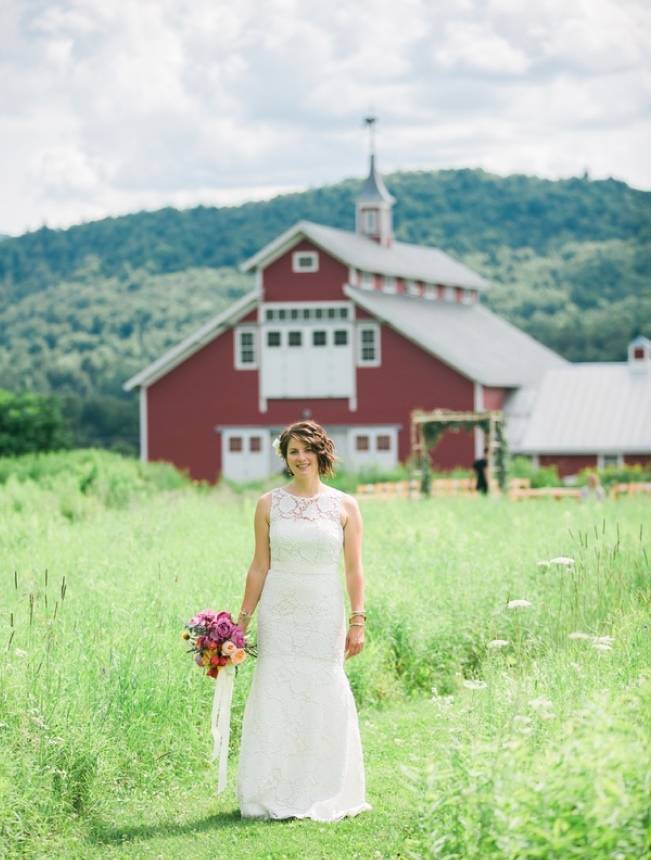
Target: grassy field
[{"x": 537, "y": 748}]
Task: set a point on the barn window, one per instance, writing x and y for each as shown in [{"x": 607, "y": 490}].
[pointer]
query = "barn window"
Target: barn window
[
  {"x": 368, "y": 281},
  {"x": 282, "y": 313},
  {"x": 235, "y": 444},
  {"x": 295, "y": 338},
  {"x": 245, "y": 348},
  {"x": 362, "y": 443},
  {"x": 390, "y": 285},
  {"x": 273, "y": 338},
  {"x": 368, "y": 345},
  {"x": 319, "y": 338},
  {"x": 343, "y": 313},
  {"x": 383, "y": 442},
  {"x": 638, "y": 353},
  {"x": 413, "y": 288},
  {"x": 341, "y": 337},
  {"x": 305, "y": 261},
  {"x": 294, "y": 313},
  {"x": 255, "y": 444},
  {"x": 370, "y": 222}
]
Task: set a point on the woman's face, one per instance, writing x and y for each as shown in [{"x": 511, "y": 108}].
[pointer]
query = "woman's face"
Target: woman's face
[{"x": 301, "y": 460}]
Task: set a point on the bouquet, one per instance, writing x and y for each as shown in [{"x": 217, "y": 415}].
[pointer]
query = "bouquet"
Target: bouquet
[
  {"x": 217, "y": 641},
  {"x": 219, "y": 646}
]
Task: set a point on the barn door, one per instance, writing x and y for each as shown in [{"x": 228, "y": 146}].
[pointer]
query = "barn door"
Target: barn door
[{"x": 245, "y": 453}]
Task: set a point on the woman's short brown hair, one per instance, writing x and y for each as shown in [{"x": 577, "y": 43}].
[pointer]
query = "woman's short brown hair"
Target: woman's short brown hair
[{"x": 316, "y": 439}]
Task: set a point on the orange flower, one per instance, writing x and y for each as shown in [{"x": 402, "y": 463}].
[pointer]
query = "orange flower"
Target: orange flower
[
  {"x": 238, "y": 656},
  {"x": 229, "y": 648}
]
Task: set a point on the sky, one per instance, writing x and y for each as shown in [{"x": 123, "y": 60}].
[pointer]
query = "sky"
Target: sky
[{"x": 114, "y": 106}]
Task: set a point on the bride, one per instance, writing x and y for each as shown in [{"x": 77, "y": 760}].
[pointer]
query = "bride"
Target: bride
[{"x": 301, "y": 752}]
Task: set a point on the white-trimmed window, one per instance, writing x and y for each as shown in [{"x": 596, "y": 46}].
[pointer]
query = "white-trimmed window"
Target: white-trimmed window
[
  {"x": 368, "y": 345},
  {"x": 235, "y": 445},
  {"x": 370, "y": 221},
  {"x": 362, "y": 442},
  {"x": 389, "y": 285},
  {"x": 274, "y": 338},
  {"x": 305, "y": 261},
  {"x": 246, "y": 352},
  {"x": 368, "y": 281},
  {"x": 412, "y": 288},
  {"x": 383, "y": 442},
  {"x": 604, "y": 460},
  {"x": 430, "y": 292}
]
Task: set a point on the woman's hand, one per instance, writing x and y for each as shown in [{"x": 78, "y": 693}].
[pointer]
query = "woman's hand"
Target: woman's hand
[{"x": 354, "y": 641}]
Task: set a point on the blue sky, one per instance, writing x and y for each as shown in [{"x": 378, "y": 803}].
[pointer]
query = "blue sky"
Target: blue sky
[{"x": 112, "y": 106}]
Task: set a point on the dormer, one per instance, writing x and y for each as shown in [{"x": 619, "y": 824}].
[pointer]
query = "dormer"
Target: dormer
[
  {"x": 373, "y": 208},
  {"x": 639, "y": 354}
]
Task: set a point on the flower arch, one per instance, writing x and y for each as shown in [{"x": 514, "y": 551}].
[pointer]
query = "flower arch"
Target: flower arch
[{"x": 428, "y": 427}]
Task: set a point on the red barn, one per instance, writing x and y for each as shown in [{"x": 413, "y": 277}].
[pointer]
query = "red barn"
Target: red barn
[{"x": 352, "y": 329}]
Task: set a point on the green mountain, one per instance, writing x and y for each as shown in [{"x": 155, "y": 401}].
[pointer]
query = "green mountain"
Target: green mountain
[{"x": 82, "y": 309}]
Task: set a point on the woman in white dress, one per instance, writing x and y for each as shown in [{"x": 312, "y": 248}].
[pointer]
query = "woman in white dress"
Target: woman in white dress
[{"x": 301, "y": 752}]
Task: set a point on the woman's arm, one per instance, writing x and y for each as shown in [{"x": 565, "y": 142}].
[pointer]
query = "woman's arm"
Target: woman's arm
[
  {"x": 259, "y": 568},
  {"x": 353, "y": 533}
]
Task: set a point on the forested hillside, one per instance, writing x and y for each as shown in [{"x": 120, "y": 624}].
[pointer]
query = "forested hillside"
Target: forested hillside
[{"x": 81, "y": 309}]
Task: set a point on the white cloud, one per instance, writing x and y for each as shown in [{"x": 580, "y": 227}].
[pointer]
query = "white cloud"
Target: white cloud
[{"x": 111, "y": 106}]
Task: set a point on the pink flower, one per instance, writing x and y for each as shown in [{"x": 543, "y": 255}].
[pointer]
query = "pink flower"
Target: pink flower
[
  {"x": 237, "y": 637},
  {"x": 228, "y": 648},
  {"x": 223, "y": 627}
]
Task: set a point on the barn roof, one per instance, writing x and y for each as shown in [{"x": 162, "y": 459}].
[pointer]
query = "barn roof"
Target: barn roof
[
  {"x": 591, "y": 407},
  {"x": 469, "y": 338},
  {"x": 400, "y": 259},
  {"x": 194, "y": 341}
]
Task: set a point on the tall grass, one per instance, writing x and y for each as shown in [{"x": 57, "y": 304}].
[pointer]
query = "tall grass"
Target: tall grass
[{"x": 99, "y": 702}]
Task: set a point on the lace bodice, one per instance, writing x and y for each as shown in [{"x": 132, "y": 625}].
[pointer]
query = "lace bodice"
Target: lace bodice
[{"x": 306, "y": 534}]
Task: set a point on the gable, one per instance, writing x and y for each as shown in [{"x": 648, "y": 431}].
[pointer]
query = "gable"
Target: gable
[{"x": 282, "y": 283}]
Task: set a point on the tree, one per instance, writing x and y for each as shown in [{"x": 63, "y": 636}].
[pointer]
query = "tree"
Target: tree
[{"x": 30, "y": 422}]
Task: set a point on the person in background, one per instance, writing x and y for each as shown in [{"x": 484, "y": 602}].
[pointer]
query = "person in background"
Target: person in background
[
  {"x": 481, "y": 466},
  {"x": 593, "y": 489}
]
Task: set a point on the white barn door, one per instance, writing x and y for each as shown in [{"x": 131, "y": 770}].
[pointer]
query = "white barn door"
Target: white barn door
[{"x": 245, "y": 453}]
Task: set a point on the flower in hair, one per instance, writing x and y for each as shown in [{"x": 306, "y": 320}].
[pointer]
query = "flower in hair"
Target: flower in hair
[{"x": 276, "y": 446}]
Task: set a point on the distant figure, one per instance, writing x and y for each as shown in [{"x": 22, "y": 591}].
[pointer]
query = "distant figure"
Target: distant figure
[
  {"x": 480, "y": 466},
  {"x": 593, "y": 489}
]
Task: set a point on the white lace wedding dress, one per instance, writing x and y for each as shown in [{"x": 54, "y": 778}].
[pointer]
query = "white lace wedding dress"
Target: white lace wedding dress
[{"x": 300, "y": 751}]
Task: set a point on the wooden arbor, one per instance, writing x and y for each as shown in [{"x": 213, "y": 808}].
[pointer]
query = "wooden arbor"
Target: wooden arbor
[{"x": 428, "y": 427}]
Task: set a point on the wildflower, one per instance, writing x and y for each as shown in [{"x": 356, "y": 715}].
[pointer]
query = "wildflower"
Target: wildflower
[
  {"x": 472, "y": 684},
  {"x": 578, "y": 635},
  {"x": 541, "y": 704},
  {"x": 185, "y": 634},
  {"x": 518, "y": 604},
  {"x": 603, "y": 640},
  {"x": 496, "y": 644},
  {"x": 562, "y": 560}
]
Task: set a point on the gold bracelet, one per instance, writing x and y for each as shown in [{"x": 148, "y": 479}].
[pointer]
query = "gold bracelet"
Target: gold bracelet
[{"x": 357, "y": 624}]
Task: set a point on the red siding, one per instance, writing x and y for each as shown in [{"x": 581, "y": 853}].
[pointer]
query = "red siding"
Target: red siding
[
  {"x": 410, "y": 378},
  {"x": 494, "y": 398},
  {"x": 281, "y": 284},
  {"x": 186, "y": 404},
  {"x": 568, "y": 464},
  {"x": 641, "y": 459}
]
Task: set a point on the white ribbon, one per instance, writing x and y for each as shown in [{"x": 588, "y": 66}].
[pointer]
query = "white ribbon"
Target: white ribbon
[{"x": 221, "y": 720}]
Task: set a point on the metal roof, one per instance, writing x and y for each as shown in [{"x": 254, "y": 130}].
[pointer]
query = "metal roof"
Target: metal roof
[
  {"x": 374, "y": 190},
  {"x": 194, "y": 341},
  {"x": 588, "y": 408},
  {"x": 400, "y": 259},
  {"x": 470, "y": 338}
]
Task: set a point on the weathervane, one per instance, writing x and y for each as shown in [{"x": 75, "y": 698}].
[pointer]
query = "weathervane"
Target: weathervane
[{"x": 370, "y": 120}]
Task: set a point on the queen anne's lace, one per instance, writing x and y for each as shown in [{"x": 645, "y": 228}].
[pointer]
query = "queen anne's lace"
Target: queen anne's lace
[{"x": 301, "y": 753}]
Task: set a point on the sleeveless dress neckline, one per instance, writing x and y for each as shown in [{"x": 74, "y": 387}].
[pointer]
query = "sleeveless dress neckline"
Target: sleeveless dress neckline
[{"x": 294, "y": 496}]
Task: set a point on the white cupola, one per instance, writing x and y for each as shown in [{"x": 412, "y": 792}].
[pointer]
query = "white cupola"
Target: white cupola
[{"x": 373, "y": 203}]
